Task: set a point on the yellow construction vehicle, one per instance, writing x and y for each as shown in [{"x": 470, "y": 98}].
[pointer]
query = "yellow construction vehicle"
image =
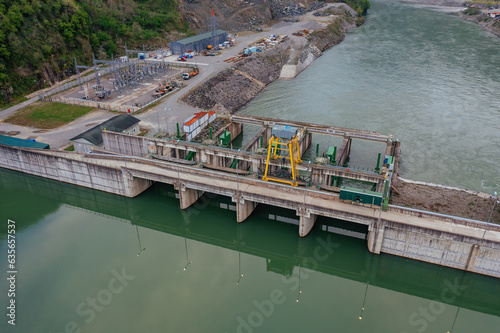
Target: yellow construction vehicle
[{"x": 284, "y": 144}]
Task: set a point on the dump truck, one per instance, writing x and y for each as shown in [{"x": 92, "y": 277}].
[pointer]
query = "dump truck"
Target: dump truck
[{"x": 187, "y": 76}]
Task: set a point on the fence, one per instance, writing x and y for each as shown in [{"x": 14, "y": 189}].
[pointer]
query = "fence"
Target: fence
[
  {"x": 94, "y": 104},
  {"x": 47, "y": 96},
  {"x": 72, "y": 84}
]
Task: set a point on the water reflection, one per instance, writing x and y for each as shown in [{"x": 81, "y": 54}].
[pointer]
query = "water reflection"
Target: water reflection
[
  {"x": 139, "y": 241},
  {"x": 285, "y": 254}
]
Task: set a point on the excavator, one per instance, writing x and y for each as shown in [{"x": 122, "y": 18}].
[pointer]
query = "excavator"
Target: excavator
[{"x": 162, "y": 90}]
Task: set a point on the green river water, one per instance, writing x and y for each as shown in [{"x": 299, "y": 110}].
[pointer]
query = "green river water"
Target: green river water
[{"x": 89, "y": 261}]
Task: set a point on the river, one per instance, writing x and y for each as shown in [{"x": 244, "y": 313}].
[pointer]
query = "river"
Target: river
[
  {"x": 89, "y": 261},
  {"x": 424, "y": 76}
]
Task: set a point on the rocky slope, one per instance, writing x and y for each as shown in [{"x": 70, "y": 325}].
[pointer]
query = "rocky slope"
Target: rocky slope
[{"x": 229, "y": 90}]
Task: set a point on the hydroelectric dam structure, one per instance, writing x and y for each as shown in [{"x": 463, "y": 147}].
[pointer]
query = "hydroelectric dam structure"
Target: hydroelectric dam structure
[{"x": 129, "y": 164}]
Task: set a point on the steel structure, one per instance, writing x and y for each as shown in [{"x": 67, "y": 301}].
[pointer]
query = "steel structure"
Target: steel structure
[
  {"x": 77, "y": 69},
  {"x": 283, "y": 144}
]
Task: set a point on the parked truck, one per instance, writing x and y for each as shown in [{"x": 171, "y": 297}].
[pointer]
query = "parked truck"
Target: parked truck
[{"x": 187, "y": 76}]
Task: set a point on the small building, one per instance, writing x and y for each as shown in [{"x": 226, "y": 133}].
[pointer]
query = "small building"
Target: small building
[
  {"x": 360, "y": 196},
  {"x": 22, "y": 143},
  {"x": 92, "y": 138},
  {"x": 197, "y": 43}
]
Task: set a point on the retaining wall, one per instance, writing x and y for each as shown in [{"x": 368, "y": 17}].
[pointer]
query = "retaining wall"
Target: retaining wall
[{"x": 97, "y": 176}]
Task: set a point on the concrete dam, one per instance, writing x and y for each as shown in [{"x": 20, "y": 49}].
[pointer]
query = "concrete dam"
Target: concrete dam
[{"x": 129, "y": 164}]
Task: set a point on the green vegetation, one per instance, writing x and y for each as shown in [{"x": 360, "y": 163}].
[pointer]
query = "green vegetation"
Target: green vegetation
[
  {"x": 45, "y": 115},
  {"x": 472, "y": 11},
  {"x": 70, "y": 148},
  {"x": 40, "y": 38},
  {"x": 13, "y": 102},
  {"x": 143, "y": 132},
  {"x": 360, "y": 6}
]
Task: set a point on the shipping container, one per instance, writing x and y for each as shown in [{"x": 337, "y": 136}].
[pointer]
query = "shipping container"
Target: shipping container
[
  {"x": 212, "y": 115},
  {"x": 185, "y": 128},
  {"x": 360, "y": 196},
  {"x": 191, "y": 125},
  {"x": 204, "y": 124},
  {"x": 202, "y": 116}
]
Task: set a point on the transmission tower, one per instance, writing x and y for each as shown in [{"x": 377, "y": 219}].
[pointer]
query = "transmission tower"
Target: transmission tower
[
  {"x": 96, "y": 70},
  {"x": 77, "y": 68}
]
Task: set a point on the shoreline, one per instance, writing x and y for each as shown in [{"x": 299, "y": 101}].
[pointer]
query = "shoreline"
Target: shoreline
[
  {"x": 229, "y": 90},
  {"x": 455, "y": 7}
]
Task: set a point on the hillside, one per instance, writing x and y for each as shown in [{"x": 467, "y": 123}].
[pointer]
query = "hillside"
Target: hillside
[{"x": 39, "y": 39}]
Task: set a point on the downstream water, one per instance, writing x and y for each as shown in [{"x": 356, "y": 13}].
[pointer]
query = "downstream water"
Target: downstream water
[{"x": 88, "y": 261}]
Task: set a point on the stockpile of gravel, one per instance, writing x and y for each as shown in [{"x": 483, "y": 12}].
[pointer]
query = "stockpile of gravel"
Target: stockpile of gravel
[{"x": 286, "y": 8}]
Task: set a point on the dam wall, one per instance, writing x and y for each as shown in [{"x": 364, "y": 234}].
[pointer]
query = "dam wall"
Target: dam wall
[{"x": 94, "y": 175}]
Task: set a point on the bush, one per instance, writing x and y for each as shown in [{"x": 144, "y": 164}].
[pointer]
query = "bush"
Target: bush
[{"x": 472, "y": 11}]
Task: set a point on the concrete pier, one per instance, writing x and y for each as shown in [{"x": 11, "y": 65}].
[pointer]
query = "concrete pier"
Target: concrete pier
[
  {"x": 306, "y": 222},
  {"x": 187, "y": 196},
  {"x": 243, "y": 208}
]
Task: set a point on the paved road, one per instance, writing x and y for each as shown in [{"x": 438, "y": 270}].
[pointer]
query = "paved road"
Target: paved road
[{"x": 7, "y": 112}]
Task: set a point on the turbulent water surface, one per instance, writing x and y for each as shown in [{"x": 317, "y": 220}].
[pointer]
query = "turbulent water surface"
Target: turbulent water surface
[{"x": 88, "y": 261}]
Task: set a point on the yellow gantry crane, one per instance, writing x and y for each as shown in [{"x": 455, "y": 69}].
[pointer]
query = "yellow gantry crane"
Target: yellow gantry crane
[{"x": 284, "y": 144}]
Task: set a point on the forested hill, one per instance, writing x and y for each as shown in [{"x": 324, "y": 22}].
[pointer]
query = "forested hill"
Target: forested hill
[{"x": 40, "y": 38}]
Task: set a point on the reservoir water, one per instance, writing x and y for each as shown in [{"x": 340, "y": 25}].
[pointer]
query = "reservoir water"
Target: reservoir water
[{"x": 89, "y": 261}]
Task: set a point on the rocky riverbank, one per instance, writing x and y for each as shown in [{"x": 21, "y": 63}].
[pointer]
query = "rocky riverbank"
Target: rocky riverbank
[
  {"x": 229, "y": 90},
  {"x": 483, "y": 19},
  {"x": 478, "y": 14}
]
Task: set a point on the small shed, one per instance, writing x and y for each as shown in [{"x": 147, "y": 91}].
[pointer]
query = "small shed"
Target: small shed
[
  {"x": 360, "y": 196},
  {"x": 92, "y": 138},
  {"x": 197, "y": 43},
  {"x": 22, "y": 143}
]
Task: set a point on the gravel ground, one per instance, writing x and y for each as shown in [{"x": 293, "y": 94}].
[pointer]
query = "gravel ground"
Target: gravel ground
[{"x": 445, "y": 200}]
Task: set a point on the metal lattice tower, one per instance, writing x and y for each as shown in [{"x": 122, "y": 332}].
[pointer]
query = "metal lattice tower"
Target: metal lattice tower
[
  {"x": 114, "y": 68},
  {"x": 213, "y": 28},
  {"x": 77, "y": 68},
  {"x": 96, "y": 70}
]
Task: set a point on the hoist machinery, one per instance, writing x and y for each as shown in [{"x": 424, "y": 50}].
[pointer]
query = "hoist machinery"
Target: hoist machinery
[{"x": 284, "y": 144}]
